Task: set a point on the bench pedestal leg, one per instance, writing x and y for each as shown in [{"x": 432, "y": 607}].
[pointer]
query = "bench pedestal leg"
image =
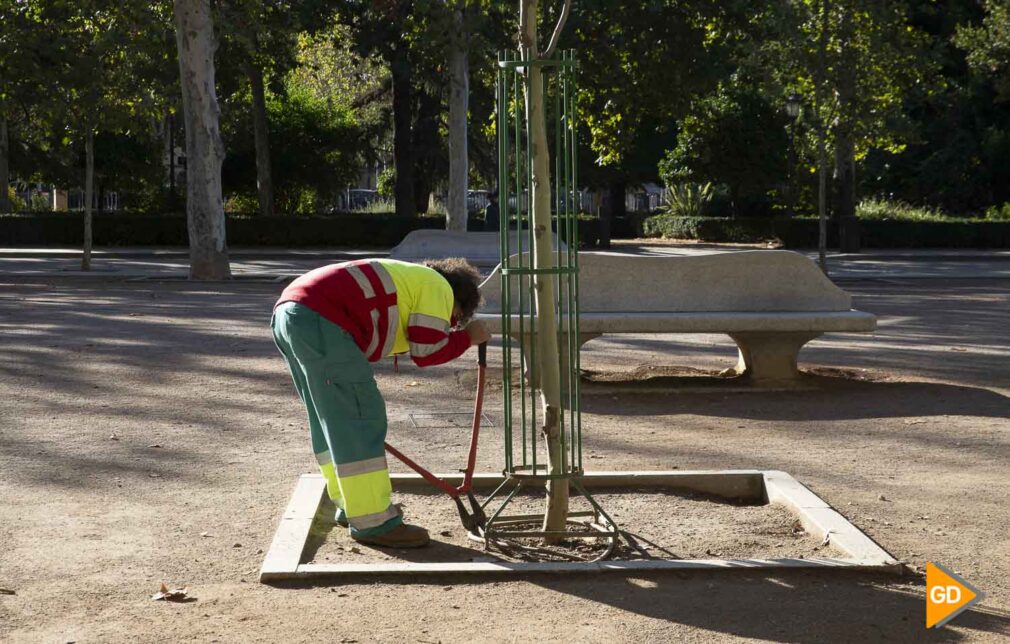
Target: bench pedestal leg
[
  {"x": 562, "y": 349},
  {"x": 770, "y": 357}
]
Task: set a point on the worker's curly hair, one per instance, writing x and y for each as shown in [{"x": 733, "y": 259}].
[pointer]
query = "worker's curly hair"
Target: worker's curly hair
[{"x": 464, "y": 280}]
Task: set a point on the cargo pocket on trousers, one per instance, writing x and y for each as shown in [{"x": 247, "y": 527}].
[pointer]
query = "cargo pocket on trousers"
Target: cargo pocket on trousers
[{"x": 356, "y": 392}]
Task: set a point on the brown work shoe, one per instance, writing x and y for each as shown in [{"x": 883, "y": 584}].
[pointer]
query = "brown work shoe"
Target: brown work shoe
[{"x": 402, "y": 536}]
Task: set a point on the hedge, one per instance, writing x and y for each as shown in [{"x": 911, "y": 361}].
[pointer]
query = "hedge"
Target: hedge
[
  {"x": 386, "y": 230},
  {"x": 349, "y": 230},
  {"x": 793, "y": 232}
]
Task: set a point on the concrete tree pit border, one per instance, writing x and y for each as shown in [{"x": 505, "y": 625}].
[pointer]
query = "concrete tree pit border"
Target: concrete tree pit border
[{"x": 283, "y": 560}]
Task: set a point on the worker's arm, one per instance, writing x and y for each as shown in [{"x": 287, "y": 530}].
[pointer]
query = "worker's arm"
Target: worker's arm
[
  {"x": 429, "y": 333},
  {"x": 432, "y": 342}
]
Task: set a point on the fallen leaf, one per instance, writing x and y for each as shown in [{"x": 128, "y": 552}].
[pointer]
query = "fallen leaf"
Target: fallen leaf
[
  {"x": 445, "y": 533},
  {"x": 356, "y": 550},
  {"x": 113, "y": 437},
  {"x": 881, "y": 497},
  {"x": 171, "y": 595},
  {"x": 236, "y": 545},
  {"x": 7, "y": 591}
]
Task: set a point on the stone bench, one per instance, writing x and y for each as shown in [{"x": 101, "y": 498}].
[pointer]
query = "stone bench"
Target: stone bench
[
  {"x": 770, "y": 302},
  {"x": 480, "y": 249}
]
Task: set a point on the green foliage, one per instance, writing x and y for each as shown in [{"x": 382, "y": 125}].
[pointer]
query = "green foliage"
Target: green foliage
[
  {"x": 733, "y": 137},
  {"x": 378, "y": 207},
  {"x": 988, "y": 43},
  {"x": 881, "y": 209},
  {"x": 315, "y": 151},
  {"x": 998, "y": 213},
  {"x": 642, "y": 64},
  {"x": 17, "y": 204},
  {"x": 801, "y": 232},
  {"x": 688, "y": 199},
  {"x": 387, "y": 182}
]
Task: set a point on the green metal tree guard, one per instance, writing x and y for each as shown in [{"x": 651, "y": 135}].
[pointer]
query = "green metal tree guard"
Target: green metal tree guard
[{"x": 525, "y": 466}]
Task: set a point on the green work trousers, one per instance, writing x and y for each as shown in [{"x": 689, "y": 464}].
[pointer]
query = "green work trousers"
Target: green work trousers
[{"x": 347, "y": 415}]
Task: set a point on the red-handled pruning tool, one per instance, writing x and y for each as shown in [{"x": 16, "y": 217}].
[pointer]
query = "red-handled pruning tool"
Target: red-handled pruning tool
[{"x": 474, "y": 523}]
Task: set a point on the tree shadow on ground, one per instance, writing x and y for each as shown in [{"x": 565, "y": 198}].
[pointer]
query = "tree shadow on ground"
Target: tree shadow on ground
[
  {"x": 794, "y": 606},
  {"x": 823, "y": 397}
]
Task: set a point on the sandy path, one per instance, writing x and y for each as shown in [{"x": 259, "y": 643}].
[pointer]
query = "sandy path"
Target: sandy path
[{"x": 148, "y": 432}]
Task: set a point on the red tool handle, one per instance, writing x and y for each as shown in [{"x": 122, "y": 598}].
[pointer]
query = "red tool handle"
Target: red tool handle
[
  {"x": 471, "y": 462},
  {"x": 478, "y": 407}
]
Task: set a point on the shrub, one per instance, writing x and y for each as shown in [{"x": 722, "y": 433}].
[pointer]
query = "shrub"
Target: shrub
[
  {"x": 379, "y": 206},
  {"x": 315, "y": 150},
  {"x": 882, "y": 209},
  {"x": 17, "y": 203},
  {"x": 688, "y": 199},
  {"x": 386, "y": 183},
  {"x": 734, "y": 137},
  {"x": 802, "y": 232},
  {"x": 998, "y": 213}
]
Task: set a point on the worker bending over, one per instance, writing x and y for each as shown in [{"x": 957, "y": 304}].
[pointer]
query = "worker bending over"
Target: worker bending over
[{"x": 330, "y": 324}]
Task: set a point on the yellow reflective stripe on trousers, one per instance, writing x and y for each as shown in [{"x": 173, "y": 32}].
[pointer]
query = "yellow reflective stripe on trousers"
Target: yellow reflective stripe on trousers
[
  {"x": 367, "y": 499},
  {"x": 332, "y": 486}
]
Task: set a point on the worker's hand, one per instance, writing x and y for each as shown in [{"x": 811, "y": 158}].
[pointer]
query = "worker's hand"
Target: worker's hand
[{"x": 478, "y": 332}]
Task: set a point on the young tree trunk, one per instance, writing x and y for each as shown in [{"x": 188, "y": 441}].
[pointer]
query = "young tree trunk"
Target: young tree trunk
[
  {"x": 556, "y": 515},
  {"x": 173, "y": 197},
  {"x": 822, "y": 154},
  {"x": 5, "y": 179},
  {"x": 403, "y": 160},
  {"x": 617, "y": 191},
  {"x": 261, "y": 137},
  {"x": 845, "y": 204},
  {"x": 89, "y": 195},
  {"x": 459, "y": 89},
  {"x": 848, "y": 225},
  {"x": 208, "y": 249}
]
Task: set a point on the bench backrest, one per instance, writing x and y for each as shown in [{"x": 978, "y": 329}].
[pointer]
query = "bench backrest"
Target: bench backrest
[
  {"x": 479, "y": 248},
  {"x": 762, "y": 280}
]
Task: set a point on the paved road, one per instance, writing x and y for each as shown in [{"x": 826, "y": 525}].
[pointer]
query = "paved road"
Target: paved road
[{"x": 265, "y": 264}]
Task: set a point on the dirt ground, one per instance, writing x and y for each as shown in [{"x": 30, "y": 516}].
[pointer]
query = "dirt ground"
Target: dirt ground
[
  {"x": 657, "y": 524},
  {"x": 149, "y": 433}
]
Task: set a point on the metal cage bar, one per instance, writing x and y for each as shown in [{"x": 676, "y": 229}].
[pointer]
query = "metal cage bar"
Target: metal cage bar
[{"x": 520, "y": 274}]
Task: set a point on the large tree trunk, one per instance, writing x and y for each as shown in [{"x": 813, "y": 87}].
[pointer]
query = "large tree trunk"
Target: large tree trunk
[
  {"x": 261, "y": 137},
  {"x": 426, "y": 142},
  {"x": 89, "y": 195},
  {"x": 5, "y": 179},
  {"x": 208, "y": 249},
  {"x": 556, "y": 515},
  {"x": 459, "y": 90},
  {"x": 403, "y": 160}
]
